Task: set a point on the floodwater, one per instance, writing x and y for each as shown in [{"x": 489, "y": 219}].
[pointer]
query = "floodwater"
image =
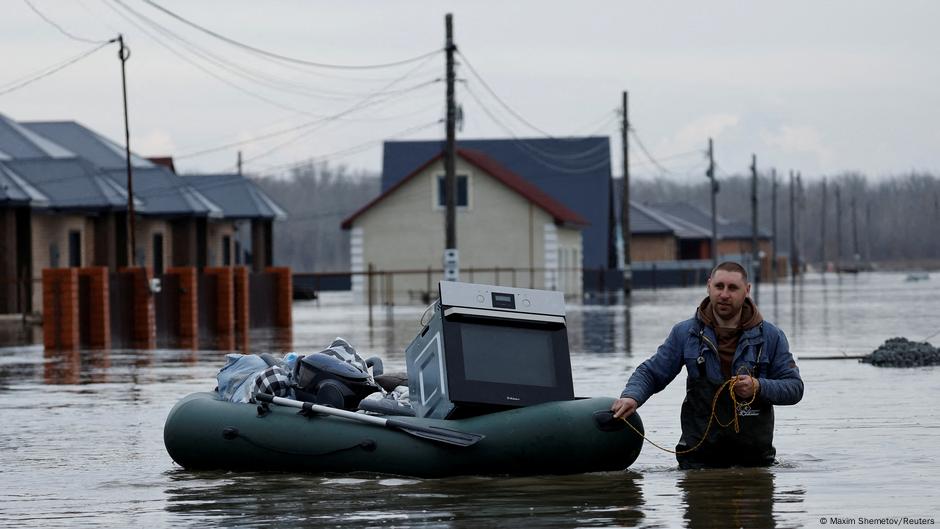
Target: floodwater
[{"x": 81, "y": 434}]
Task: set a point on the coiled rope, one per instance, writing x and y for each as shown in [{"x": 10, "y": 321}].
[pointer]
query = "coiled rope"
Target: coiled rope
[{"x": 712, "y": 418}]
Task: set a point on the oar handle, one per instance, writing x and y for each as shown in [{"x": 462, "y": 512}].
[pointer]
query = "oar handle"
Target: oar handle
[{"x": 318, "y": 408}]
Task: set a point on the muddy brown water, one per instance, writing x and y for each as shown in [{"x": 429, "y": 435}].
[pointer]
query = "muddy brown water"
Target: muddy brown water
[{"x": 81, "y": 434}]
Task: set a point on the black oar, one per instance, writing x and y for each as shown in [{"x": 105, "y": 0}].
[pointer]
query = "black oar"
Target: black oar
[{"x": 434, "y": 433}]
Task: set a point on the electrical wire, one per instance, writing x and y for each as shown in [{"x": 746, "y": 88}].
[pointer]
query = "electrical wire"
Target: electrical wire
[
  {"x": 240, "y": 70},
  {"x": 349, "y": 150},
  {"x": 538, "y": 155},
  {"x": 500, "y": 100},
  {"x": 286, "y": 58},
  {"x": 61, "y": 29},
  {"x": 45, "y": 72},
  {"x": 359, "y": 106}
]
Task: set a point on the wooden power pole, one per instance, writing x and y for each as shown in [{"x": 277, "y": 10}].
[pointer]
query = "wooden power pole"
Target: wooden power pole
[
  {"x": 838, "y": 228},
  {"x": 822, "y": 228},
  {"x": 124, "y": 54},
  {"x": 451, "y": 257},
  {"x": 755, "y": 251},
  {"x": 793, "y": 263},
  {"x": 714, "y": 191},
  {"x": 773, "y": 222},
  {"x": 625, "y": 201}
]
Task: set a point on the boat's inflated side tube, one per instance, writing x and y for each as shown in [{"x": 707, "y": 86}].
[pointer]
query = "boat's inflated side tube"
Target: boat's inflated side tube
[{"x": 203, "y": 432}]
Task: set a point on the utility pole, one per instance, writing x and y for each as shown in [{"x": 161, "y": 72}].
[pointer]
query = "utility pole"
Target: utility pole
[
  {"x": 822, "y": 227},
  {"x": 799, "y": 219},
  {"x": 793, "y": 263},
  {"x": 773, "y": 221},
  {"x": 838, "y": 229},
  {"x": 625, "y": 202},
  {"x": 451, "y": 257},
  {"x": 755, "y": 252},
  {"x": 239, "y": 163},
  {"x": 711, "y": 176},
  {"x": 855, "y": 254},
  {"x": 124, "y": 53}
]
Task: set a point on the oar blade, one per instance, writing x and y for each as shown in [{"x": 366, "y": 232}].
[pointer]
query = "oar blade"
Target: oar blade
[{"x": 436, "y": 433}]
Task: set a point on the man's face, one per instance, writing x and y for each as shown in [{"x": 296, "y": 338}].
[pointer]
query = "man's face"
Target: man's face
[{"x": 727, "y": 292}]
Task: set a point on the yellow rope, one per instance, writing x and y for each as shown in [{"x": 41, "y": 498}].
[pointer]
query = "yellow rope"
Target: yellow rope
[{"x": 713, "y": 417}]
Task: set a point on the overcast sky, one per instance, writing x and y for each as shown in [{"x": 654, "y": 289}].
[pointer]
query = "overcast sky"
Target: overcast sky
[{"x": 821, "y": 87}]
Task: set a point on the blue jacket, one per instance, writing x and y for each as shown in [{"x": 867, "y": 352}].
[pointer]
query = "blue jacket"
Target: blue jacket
[{"x": 779, "y": 378}]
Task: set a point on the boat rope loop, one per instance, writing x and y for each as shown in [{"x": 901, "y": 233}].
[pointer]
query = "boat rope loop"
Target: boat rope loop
[{"x": 712, "y": 418}]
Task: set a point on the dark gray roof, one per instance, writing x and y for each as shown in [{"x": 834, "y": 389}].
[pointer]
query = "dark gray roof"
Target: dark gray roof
[
  {"x": 15, "y": 190},
  {"x": 654, "y": 220},
  {"x": 696, "y": 216},
  {"x": 166, "y": 193},
  {"x": 17, "y": 141},
  {"x": 572, "y": 171},
  {"x": 238, "y": 196},
  {"x": 70, "y": 183},
  {"x": 86, "y": 143}
]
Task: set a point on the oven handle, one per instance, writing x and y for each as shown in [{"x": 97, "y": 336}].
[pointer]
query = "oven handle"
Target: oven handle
[{"x": 504, "y": 315}]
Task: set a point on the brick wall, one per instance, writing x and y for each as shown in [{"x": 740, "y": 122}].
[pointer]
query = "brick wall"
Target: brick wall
[
  {"x": 241, "y": 306},
  {"x": 283, "y": 295},
  {"x": 99, "y": 316},
  {"x": 188, "y": 309},
  {"x": 60, "y": 308},
  {"x": 143, "y": 328},
  {"x": 225, "y": 306}
]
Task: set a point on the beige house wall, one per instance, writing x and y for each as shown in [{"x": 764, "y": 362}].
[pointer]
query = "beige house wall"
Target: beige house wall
[
  {"x": 215, "y": 231},
  {"x": 50, "y": 229},
  {"x": 146, "y": 229},
  {"x": 652, "y": 248},
  {"x": 498, "y": 228}
]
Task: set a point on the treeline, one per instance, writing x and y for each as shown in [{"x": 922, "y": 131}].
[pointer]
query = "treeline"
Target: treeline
[
  {"x": 317, "y": 198},
  {"x": 893, "y": 218}
]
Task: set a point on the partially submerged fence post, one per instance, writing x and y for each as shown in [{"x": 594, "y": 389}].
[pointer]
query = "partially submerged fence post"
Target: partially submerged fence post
[
  {"x": 60, "y": 308},
  {"x": 241, "y": 307},
  {"x": 143, "y": 324},
  {"x": 188, "y": 310},
  {"x": 284, "y": 295},
  {"x": 369, "y": 292},
  {"x": 224, "y": 310},
  {"x": 98, "y": 307}
]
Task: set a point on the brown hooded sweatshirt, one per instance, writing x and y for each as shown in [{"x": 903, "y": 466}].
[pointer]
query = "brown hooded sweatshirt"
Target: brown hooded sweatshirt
[{"x": 728, "y": 336}]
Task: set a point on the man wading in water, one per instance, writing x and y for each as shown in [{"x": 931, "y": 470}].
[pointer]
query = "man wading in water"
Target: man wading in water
[{"x": 726, "y": 338}]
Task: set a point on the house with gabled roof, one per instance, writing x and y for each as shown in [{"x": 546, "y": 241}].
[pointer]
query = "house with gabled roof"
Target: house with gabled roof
[
  {"x": 574, "y": 171},
  {"x": 503, "y": 221}
]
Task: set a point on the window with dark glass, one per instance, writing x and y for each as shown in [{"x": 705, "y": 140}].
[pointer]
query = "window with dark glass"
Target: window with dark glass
[{"x": 462, "y": 195}]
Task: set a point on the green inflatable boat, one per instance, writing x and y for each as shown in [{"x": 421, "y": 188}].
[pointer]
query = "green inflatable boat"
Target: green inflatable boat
[{"x": 564, "y": 437}]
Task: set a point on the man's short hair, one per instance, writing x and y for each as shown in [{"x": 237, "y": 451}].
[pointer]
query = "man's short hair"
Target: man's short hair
[{"x": 730, "y": 266}]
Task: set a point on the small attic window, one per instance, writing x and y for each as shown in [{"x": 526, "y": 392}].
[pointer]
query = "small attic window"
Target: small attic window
[{"x": 462, "y": 191}]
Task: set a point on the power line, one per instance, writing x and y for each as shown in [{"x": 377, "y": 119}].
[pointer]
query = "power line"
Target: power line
[
  {"x": 45, "y": 72},
  {"x": 539, "y": 155},
  {"x": 359, "y": 106},
  {"x": 61, "y": 29},
  {"x": 240, "y": 70},
  {"x": 500, "y": 100},
  {"x": 285, "y": 57},
  {"x": 349, "y": 150}
]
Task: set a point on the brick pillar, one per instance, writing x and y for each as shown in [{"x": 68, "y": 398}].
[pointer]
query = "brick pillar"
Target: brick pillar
[
  {"x": 224, "y": 306},
  {"x": 283, "y": 295},
  {"x": 60, "y": 308},
  {"x": 188, "y": 309},
  {"x": 144, "y": 326},
  {"x": 99, "y": 306},
  {"x": 241, "y": 306}
]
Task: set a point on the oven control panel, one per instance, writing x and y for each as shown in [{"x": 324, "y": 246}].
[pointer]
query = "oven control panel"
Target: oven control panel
[{"x": 527, "y": 300}]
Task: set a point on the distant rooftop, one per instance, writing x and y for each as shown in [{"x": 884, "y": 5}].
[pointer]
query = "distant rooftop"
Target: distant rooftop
[{"x": 84, "y": 142}]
